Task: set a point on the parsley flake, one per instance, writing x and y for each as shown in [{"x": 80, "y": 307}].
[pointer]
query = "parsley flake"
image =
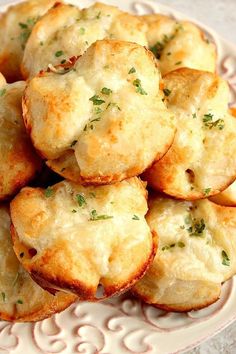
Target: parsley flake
[
  {"x": 135, "y": 217},
  {"x": 167, "y": 92},
  {"x": 82, "y": 30},
  {"x": 81, "y": 200},
  {"x": 180, "y": 244},
  {"x": 3, "y": 297},
  {"x": 209, "y": 123},
  {"x": 197, "y": 228},
  {"x": 207, "y": 191},
  {"x": 73, "y": 143},
  {"x": 95, "y": 217},
  {"x": 132, "y": 70},
  {"x": 178, "y": 63},
  {"x": 139, "y": 89},
  {"x": 97, "y": 101},
  {"x": 48, "y": 192},
  {"x": 106, "y": 91},
  {"x": 2, "y": 92},
  {"x": 194, "y": 115},
  {"x": 19, "y": 302},
  {"x": 225, "y": 259},
  {"x": 59, "y": 53}
]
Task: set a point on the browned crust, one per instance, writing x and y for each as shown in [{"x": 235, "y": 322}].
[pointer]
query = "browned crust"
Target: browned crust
[
  {"x": 46, "y": 281},
  {"x": 175, "y": 307}
]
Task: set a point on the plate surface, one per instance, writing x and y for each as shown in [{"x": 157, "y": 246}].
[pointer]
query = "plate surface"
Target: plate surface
[{"x": 123, "y": 324}]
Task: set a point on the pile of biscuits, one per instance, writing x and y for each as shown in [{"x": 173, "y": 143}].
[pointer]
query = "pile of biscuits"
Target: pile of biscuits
[{"x": 114, "y": 152}]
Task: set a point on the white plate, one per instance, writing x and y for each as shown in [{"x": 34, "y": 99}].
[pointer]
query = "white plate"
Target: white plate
[{"x": 123, "y": 324}]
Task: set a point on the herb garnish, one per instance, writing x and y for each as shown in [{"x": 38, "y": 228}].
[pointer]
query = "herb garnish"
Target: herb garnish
[
  {"x": 178, "y": 63},
  {"x": 209, "y": 123},
  {"x": 207, "y": 191},
  {"x": 135, "y": 217},
  {"x": 194, "y": 115},
  {"x": 48, "y": 192},
  {"x": 97, "y": 101},
  {"x": 82, "y": 30},
  {"x": 179, "y": 244},
  {"x": 225, "y": 259},
  {"x": 59, "y": 53},
  {"x": 139, "y": 89},
  {"x": 197, "y": 228},
  {"x": 3, "y": 297},
  {"x": 167, "y": 92},
  {"x": 106, "y": 91},
  {"x": 19, "y": 301},
  {"x": 132, "y": 70},
  {"x": 95, "y": 217},
  {"x": 2, "y": 92},
  {"x": 81, "y": 200},
  {"x": 26, "y": 30},
  {"x": 73, "y": 143}
]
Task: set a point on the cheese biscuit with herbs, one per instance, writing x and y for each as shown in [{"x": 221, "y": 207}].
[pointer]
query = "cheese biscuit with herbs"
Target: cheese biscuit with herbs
[
  {"x": 77, "y": 238},
  {"x": 21, "y": 299},
  {"x": 15, "y": 27},
  {"x": 202, "y": 160},
  {"x": 196, "y": 254},
  {"x": 103, "y": 118}
]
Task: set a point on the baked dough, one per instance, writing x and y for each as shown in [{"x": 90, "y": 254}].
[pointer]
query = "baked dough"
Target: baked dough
[
  {"x": 67, "y": 31},
  {"x": 196, "y": 253},
  {"x": 106, "y": 108},
  {"x": 84, "y": 236},
  {"x": 19, "y": 162},
  {"x": 21, "y": 299},
  {"x": 15, "y": 27},
  {"x": 179, "y": 44},
  {"x": 202, "y": 160}
]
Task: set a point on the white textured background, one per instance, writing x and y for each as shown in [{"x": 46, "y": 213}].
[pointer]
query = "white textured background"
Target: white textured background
[{"x": 221, "y": 16}]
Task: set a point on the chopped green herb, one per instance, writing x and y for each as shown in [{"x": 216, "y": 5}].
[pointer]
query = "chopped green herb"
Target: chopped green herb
[
  {"x": 59, "y": 53},
  {"x": 97, "y": 101},
  {"x": 92, "y": 195},
  {"x": 23, "y": 25},
  {"x": 132, "y": 70},
  {"x": 106, "y": 91},
  {"x": 3, "y": 297},
  {"x": 113, "y": 104},
  {"x": 74, "y": 211},
  {"x": 2, "y": 92},
  {"x": 180, "y": 244},
  {"x": 82, "y": 30},
  {"x": 169, "y": 53},
  {"x": 48, "y": 192},
  {"x": 139, "y": 89},
  {"x": 194, "y": 115},
  {"x": 209, "y": 123},
  {"x": 135, "y": 217},
  {"x": 167, "y": 92},
  {"x": 63, "y": 61},
  {"x": 207, "y": 191},
  {"x": 95, "y": 217},
  {"x": 225, "y": 259},
  {"x": 197, "y": 228},
  {"x": 178, "y": 63},
  {"x": 73, "y": 143},
  {"x": 81, "y": 200},
  {"x": 98, "y": 110},
  {"x": 182, "y": 227},
  {"x": 26, "y": 30},
  {"x": 160, "y": 45},
  {"x": 41, "y": 43},
  {"x": 165, "y": 248},
  {"x": 98, "y": 15},
  {"x": 19, "y": 302}
]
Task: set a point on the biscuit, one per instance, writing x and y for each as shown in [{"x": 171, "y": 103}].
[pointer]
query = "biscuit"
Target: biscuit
[
  {"x": 106, "y": 107},
  {"x": 196, "y": 253},
  {"x": 19, "y": 162},
  {"x": 67, "y": 31},
  {"x": 21, "y": 299},
  {"x": 15, "y": 28},
  {"x": 179, "y": 44},
  {"x": 202, "y": 160},
  {"x": 76, "y": 238}
]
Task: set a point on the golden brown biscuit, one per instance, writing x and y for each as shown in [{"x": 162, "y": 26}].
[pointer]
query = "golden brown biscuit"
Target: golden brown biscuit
[
  {"x": 15, "y": 28},
  {"x": 67, "y": 31},
  {"x": 196, "y": 253},
  {"x": 75, "y": 238},
  {"x": 202, "y": 160},
  {"x": 21, "y": 299},
  {"x": 107, "y": 108},
  {"x": 19, "y": 162},
  {"x": 179, "y": 44}
]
